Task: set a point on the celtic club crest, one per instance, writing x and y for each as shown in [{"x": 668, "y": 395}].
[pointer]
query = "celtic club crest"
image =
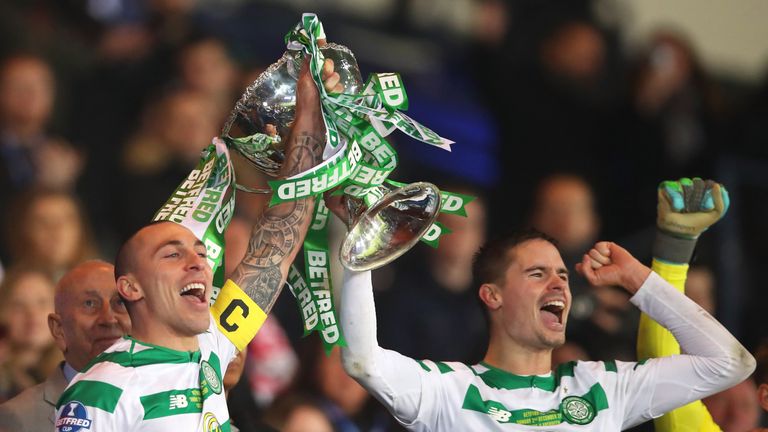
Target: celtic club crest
[
  {"x": 210, "y": 377},
  {"x": 577, "y": 410}
]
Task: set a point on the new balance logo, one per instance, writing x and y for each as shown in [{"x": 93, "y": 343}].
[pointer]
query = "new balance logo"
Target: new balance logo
[
  {"x": 178, "y": 401},
  {"x": 501, "y": 416}
]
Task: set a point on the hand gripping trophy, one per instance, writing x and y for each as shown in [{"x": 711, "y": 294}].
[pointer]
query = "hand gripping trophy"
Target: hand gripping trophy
[
  {"x": 385, "y": 218},
  {"x": 383, "y": 222}
]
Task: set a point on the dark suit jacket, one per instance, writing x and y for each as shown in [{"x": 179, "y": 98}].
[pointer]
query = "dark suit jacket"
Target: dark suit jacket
[{"x": 34, "y": 409}]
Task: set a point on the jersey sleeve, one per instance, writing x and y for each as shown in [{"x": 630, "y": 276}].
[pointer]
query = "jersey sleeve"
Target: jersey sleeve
[
  {"x": 653, "y": 340},
  {"x": 96, "y": 404},
  {"x": 400, "y": 383},
  {"x": 713, "y": 361},
  {"x": 236, "y": 316}
]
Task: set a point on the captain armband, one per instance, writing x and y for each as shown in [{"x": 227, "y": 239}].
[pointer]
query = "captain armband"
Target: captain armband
[{"x": 236, "y": 315}]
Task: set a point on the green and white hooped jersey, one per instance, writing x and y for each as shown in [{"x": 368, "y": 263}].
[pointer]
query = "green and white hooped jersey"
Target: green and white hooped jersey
[
  {"x": 427, "y": 396},
  {"x": 577, "y": 396},
  {"x": 135, "y": 386},
  {"x": 142, "y": 387}
]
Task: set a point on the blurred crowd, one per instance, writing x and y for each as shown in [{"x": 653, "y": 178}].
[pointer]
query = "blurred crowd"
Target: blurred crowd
[{"x": 106, "y": 104}]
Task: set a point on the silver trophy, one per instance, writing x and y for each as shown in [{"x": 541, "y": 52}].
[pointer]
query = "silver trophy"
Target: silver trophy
[
  {"x": 260, "y": 122},
  {"x": 263, "y": 116},
  {"x": 390, "y": 227}
]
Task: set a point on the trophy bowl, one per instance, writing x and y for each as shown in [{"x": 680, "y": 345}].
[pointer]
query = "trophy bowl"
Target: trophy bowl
[
  {"x": 262, "y": 118},
  {"x": 390, "y": 227}
]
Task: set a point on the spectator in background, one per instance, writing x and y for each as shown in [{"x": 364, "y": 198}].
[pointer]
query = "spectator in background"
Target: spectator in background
[
  {"x": 340, "y": 398},
  {"x": 559, "y": 104},
  {"x": 174, "y": 131},
  {"x": 136, "y": 57},
  {"x": 674, "y": 124},
  {"x": 279, "y": 415},
  {"x": 736, "y": 409},
  {"x": 700, "y": 287},
  {"x": 242, "y": 422},
  {"x": 89, "y": 316},
  {"x": 740, "y": 408},
  {"x": 47, "y": 231},
  {"x": 29, "y": 156},
  {"x": 206, "y": 67},
  {"x": 431, "y": 311},
  {"x": 679, "y": 106},
  {"x": 565, "y": 209},
  {"x": 234, "y": 371},
  {"x": 27, "y": 300},
  {"x": 296, "y": 412}
]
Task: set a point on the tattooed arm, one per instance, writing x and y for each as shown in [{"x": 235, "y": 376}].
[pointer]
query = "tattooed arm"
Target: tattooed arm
[{"x": 280, "y": 231}]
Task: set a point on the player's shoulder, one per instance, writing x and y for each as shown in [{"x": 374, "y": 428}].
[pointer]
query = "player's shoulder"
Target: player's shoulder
[
  {"x": 103, "y": 388},
  {"x": 108, "y": 376},
  {"x": 603, "y": 371},
  {"x": 127, "y": 353},
  {"x": 592, "y": 368}
]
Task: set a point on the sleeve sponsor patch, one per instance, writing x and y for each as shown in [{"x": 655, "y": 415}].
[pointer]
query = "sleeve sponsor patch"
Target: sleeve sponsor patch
[
  {"x": 236, "y": 315},
  {"x": 73, "y": 418}
]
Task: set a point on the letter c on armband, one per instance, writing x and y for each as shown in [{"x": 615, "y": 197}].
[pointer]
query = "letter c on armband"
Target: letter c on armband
[
  {"x": 224, "y": 318},
  {"x": 236, "y": 315}
]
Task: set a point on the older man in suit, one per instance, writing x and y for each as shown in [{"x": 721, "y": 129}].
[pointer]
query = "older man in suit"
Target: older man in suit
[{"x": 89, "y": 316}]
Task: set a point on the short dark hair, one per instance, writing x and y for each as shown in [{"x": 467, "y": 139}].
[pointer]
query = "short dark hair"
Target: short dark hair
[
  {"x": 492, "y": 259},
  {"x": 124, "y": 260}
]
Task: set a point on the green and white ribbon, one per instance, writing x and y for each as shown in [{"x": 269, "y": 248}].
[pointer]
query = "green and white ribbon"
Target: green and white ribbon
[
  {"x": 317, "y": 263},
  {"x": 204, "y": 203},
  {"x": 378, "y": 106},
  {"x": 358, "y": 160},
  {"x": 304, "y": 38},
  {"x": 315, "y": 299}
]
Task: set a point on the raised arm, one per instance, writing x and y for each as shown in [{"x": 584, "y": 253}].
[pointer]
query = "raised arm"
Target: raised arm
[
  {"x": 279, "y": 233},
  {"x": 714, "y": 359},
  {"x": 686, "y": 208},
  {"x": 394, "y": 379}
]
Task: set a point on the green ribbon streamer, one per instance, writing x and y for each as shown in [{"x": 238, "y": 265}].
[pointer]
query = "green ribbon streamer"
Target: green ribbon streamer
[
  {"x": 204, "y": 203},
  {"x": 304, "y": 38},
  {"x": 390, "y": 89},
  {"x": 358, "y": 160},
  {"x": 434, "y": 233},
  {"x": 305, "y": 302},
  {"x": 378, "y": 105},
  {"x": 324, "y": 177},
  {"x": 317, "y": 264}
]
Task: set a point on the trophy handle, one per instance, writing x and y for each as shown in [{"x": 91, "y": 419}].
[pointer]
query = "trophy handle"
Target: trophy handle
[{"x": 390, "y": 227}]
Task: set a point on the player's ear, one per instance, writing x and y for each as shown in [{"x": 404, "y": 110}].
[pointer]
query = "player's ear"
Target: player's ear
[
  {"x": 129, "y": 289},
  {"x": 490, "y": 295},
  {"x": 57, "y": 331},
  {"x": 762, "y": 396}
]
